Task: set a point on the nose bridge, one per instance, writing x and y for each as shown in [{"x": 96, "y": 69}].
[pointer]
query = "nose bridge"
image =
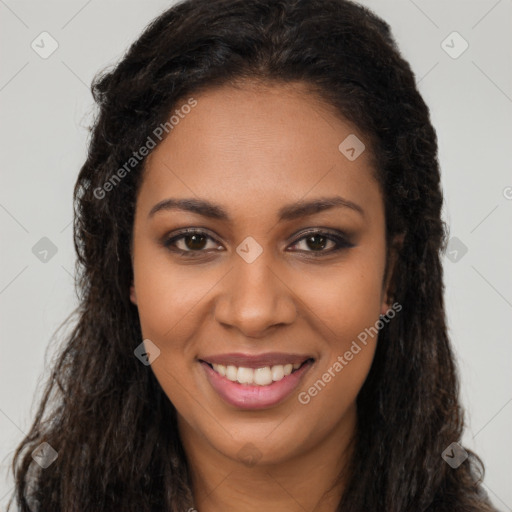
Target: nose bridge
[{"x": 255, "y": 297}]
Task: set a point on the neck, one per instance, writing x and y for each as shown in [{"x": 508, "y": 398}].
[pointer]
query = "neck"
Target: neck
[{"x": 309, "y": 480}]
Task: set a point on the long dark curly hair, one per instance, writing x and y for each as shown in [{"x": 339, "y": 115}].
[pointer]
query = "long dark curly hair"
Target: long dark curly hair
[{"x": 105, "y": 413}]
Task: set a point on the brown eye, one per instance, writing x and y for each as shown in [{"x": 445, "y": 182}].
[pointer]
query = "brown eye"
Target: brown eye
[
  {"x": 195, "y": 242},
  {"x": 316, "y": 242},
  {"x": 191, "y": 243}
]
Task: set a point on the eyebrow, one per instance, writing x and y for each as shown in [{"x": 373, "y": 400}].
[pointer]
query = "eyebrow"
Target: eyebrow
[{"x": 286, "y": 213}]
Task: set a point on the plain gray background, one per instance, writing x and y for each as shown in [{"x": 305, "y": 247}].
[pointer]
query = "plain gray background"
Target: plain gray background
[{"x": 46, "y": 107}]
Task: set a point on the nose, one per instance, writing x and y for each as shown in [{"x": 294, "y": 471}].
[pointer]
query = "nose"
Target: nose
[{"x": 255, "y": 297}]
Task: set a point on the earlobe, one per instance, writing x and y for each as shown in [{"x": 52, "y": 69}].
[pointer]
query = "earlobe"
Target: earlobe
[
  {"x": 387, "y": 302},
  {"x": 385, "y": 306},
  {"x": 133, "y": 296}
]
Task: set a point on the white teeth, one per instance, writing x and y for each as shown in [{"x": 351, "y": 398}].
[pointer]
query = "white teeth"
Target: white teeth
[
  {"x": 231, "y": 372},
  {"x": 245, "y": 375},
  {"x": 277, "y": 372},
  {"x": 259, "y": 376},
  {"x": 262, "y": 376}
]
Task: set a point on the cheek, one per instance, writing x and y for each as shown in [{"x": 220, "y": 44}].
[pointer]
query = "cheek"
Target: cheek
[
  {"x": 174, "y": 302},
  {"x": 168, "y": 294},
  {"x": 169, "y": 302},
  {"x": 166, "y": 302},
  {"x": 346, "y": 306},
  {"x": 345, "y": 298}
]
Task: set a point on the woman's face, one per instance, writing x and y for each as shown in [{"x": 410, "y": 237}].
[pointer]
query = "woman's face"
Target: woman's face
[{"x": 254, "y": 290}]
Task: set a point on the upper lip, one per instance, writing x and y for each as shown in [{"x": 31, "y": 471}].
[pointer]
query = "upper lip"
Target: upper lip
[{"x": 255, "y": 361}]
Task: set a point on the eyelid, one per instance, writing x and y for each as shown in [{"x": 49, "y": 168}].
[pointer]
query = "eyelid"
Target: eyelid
[{"x": 321, "y": 231}]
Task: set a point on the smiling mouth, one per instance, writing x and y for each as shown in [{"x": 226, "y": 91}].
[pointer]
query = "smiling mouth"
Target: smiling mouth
[{"x": 263, "y": 376}]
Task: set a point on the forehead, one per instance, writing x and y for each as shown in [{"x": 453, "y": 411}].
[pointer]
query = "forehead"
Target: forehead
[{"x": 254, "y": 146}]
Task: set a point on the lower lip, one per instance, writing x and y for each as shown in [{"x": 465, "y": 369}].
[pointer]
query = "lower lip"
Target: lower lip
[{"x": 246, "y": 396}]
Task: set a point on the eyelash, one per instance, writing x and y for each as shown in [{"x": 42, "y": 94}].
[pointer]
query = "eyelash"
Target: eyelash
[{"x": 340, "y": 241}]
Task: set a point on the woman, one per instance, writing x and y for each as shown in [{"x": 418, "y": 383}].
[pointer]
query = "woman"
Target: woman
[{"x": 258, "y": 235}]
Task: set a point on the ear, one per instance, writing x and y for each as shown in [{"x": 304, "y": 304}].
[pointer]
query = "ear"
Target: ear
[
  {"x": 388, "y": 288},
  {"x": 133, "y": 295}
]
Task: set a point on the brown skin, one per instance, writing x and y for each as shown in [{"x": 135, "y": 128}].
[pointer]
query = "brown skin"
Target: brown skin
[{"x": 254, "y": 150}]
